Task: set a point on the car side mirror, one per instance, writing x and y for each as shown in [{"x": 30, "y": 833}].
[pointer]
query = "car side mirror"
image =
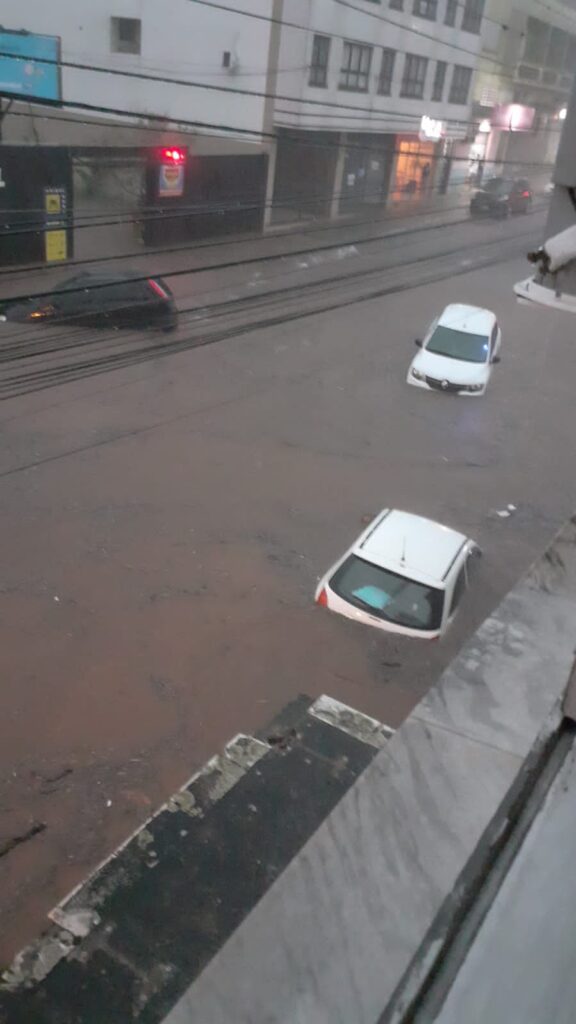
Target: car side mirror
[
  {"x": 418, "y": 342},
  {"x": 496, "y": 359}
]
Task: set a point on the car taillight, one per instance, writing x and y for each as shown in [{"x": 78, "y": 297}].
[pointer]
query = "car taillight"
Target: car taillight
[
  {"x": 158, "y": 288},
  {"x": 526, "y": 195},
  {"x": 322, "y": 598}
]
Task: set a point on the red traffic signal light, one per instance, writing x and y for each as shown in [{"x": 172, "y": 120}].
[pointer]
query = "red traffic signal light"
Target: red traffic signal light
[{"x": 173, "y": 155}]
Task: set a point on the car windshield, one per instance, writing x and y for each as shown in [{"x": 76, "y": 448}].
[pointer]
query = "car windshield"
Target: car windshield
[
  {"x": 388, "y": 595},
  {"x": 470, "y": 348},
  {"x": 497, "y": 186}
]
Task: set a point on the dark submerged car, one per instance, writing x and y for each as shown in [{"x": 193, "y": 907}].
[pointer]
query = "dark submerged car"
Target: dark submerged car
[
  {"x": 93, "y": 299},
  {"x": 502, "y": 196}
]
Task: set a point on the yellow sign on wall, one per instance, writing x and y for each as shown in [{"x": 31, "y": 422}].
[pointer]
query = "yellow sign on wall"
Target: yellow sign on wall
[
  {"x": 56, "y": 246},
  {"x": 53, "y": 202}
]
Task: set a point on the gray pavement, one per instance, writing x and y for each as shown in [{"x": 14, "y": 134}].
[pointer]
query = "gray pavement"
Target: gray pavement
[
  {"x": 164, "y": 526},
  {"x": 520, "y": 966}
]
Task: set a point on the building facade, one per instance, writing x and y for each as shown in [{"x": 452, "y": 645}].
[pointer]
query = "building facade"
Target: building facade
[
  {"x": 372, "y": 98},
  {"x": 525, "y": 76},
  {"x": 133, "y": 80}
]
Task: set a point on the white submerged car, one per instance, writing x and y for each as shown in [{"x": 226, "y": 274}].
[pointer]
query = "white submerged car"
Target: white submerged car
[
  {"x": 458, "y": 352},
  {"x": 404, "y": 574}
]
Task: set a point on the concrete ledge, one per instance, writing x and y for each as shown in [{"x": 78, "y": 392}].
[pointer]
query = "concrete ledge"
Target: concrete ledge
[{"x": 357, "y": 920}]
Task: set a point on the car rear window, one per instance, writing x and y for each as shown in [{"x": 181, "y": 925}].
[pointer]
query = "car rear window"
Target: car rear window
[
  {"x": 498, "y": 186},
  {"x": 387, "y": 595}
]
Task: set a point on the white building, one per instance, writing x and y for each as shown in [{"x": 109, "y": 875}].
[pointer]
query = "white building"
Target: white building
[
  {"x": 525, "y": 75},
  {"x": 353, "y": 102},
  {"x": 371, "y": 98},
  {"x": 211, "y": 58},
  {"x": 134, "y": 80}
]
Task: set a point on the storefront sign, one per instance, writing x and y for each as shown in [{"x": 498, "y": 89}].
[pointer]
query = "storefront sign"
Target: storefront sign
[
  {"x": 171, "y": 180},
  {"x": 29, "y": 66},
  {"x": 430, "y": 128}
]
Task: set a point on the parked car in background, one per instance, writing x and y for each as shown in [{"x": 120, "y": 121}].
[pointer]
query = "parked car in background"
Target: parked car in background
[
  {"x": 501, "y": 196},
  {"x": 115, "y": 299},
  {"x": 405, "y": 574},
  {"x": 458, "y": 352}
]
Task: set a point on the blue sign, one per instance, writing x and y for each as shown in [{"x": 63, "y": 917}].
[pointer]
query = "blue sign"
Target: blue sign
[{"x": 30, "y": 66}]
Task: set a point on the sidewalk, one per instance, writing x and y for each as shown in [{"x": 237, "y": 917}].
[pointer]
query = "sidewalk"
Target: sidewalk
[{"x": 110, "y": 252}]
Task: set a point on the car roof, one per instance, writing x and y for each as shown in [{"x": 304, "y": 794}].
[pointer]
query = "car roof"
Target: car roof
[
  {"x": 469, "y": 319},
  {"x": 411, "y": 546},
  {"x": 88, "y": 277}
]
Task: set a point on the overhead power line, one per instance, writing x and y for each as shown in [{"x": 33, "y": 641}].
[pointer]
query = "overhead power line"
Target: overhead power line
[
  {"x": 26, "y": 332},
  {"x": 37, "y": 380},
  {"x": 226, "y": 265},
  {"x": 284, "y": 23},
  {"x": 150, "y": 213},
  {"x": 251, "y": 239},
  {"x": 207, "y": 86},
  {"x": 370, "y": 14},
  {"x": 212, "y": 129}
]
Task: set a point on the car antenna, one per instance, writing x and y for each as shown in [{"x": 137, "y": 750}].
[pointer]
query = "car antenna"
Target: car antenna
[{"x": 403, "y": 555}]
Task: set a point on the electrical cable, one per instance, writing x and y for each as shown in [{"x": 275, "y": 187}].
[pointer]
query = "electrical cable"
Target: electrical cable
[
  {"x": 26, "y": 333},
  {"x": 307, "y": 28},
  {"x": 229, "y": 240},
  {"x": 228, "y": 264},
  {"x": 40, "y": 225},
  {"x": 263, "y": 299},
  {"x": 207, "y": 86},
  {"x": 219, "y": 130},
  {"x": 41, "y": 378}
]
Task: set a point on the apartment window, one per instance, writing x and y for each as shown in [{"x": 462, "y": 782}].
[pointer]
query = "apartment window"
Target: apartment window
[
  {"x": 396, "y": 5},
  {"x": 450, "y": 13},
  {"x": 125, "y": 35},
  {"x": 570, "y": 56},
  {"x": 319, "y": 62},
  {"x": 460, "y": 87},
  {"x": 439, "y": 80},
  {"x": 414, "y": 76},
  {"x": 425, "y": 9},
  {"x": 556, "y": 48},
  {"x": 472, "y": 16},
  {"x": 386, "y": 72},
  {"x": 537, "y": 37},
  {"x": 355, "y": 70}
]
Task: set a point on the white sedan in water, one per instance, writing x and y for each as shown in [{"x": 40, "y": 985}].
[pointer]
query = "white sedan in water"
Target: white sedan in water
[
  {"x": 458, "y": 352},
  {"x": 404, "y": 574}
]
